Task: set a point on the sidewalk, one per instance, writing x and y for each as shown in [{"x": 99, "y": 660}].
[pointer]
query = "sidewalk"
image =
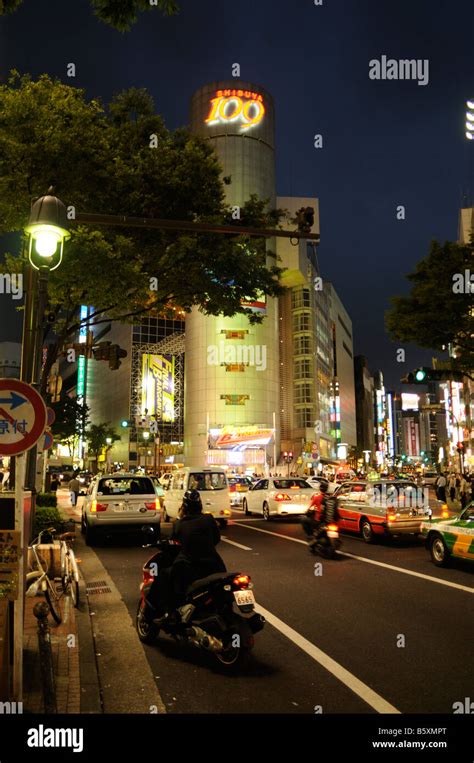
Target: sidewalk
[{"x": 100, "y": 665}]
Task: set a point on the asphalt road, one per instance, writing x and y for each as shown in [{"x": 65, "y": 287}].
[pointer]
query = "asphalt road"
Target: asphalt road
[{"x": 381, "y": 629}]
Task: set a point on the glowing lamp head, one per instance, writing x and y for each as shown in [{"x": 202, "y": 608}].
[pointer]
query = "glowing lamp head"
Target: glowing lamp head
[
  {"x": 46, "y": 239},
  {"x": 47, "y": 227},
  {"x": 420, "y": 375}
]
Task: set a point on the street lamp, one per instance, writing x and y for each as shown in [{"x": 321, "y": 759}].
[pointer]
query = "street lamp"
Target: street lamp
[{"x": 48, "y": 229}]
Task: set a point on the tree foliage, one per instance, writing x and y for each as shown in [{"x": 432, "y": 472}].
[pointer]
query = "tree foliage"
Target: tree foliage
[
  {"x": 439, "y": 310},
  {"x": 96, "y": 438},
  {"x": 102, "y": 160},
  {"x": 71, "y": 417},
  {"x": 120, "y": 14}
]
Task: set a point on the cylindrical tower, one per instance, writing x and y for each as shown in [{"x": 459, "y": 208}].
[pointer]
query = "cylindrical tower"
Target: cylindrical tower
[{"x": 232, "y": 366}]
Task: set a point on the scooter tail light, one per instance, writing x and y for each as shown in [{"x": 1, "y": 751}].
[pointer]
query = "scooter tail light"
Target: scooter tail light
[
  {"x": 147, "y": 576},
  {"x": 241, "y": 581},
  {"x": 391, "y": 517},
  {"x": 333, "y": 528}
]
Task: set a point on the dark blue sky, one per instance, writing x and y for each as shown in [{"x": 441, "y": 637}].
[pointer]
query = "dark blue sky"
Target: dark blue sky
[{"x": 386, "y": 143}]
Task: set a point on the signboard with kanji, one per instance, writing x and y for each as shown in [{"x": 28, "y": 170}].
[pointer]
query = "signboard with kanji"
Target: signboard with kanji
[
  {"x": 23, "y": 417},
  {"x": 10, "y": 553}
]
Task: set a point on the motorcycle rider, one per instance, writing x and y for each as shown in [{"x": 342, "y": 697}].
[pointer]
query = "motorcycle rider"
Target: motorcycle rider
[
  {"x": 198, "y": 535},
  {"x": 311, "y": 522}
]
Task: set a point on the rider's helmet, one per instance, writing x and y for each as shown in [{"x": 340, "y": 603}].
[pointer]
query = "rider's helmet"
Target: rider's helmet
[
  {"x": 323, "y": 487},
  {"x": 192, "y": 503}
]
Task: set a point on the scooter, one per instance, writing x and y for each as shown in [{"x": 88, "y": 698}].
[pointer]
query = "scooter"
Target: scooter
[
  {"x": 218, "y": 614},
  {"x": 326, "y": 541}
]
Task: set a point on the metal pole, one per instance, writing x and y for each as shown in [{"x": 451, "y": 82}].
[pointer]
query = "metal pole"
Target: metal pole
[
  {"x": 41, "y": 611},
  {"x": 19, "y": 604}
]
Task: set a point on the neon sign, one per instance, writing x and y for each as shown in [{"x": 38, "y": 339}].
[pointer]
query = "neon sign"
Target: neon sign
[{"x": 236, "y": 106}]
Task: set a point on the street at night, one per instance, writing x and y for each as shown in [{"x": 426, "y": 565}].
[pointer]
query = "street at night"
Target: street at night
[{"x": 236, "y": 378}]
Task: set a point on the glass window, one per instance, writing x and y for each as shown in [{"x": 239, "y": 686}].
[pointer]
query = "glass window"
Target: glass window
[
  {"x": 304, "y": 417},
  {"x": 288, "y": 484},
  {"x": 303, "y": 393},
  {"x": 125, "y": 486},
  {"x": 207, "y": 481},
  {"x": 303, "y": 369}
]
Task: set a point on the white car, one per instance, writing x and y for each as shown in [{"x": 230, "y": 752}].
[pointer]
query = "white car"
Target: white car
[
  {"x": 119, "y": 502},
  {"x": 213, "y": 487},
  {"x": 278, "y": 497},
  {"x": 315, "y": 483},
  {"x": 429, "y": 478}
]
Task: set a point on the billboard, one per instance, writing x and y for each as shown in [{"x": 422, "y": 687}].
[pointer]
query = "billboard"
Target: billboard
[
  {"x": 239, "y": 437},
  {"x": 158, "y": 386}
]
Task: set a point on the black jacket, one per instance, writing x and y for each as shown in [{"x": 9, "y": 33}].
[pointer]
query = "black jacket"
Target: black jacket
[{"x": 199, "y": 535}]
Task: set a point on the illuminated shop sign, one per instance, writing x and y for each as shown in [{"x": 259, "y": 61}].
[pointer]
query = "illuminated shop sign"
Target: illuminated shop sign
[
  {"x": 158, "y": 386},
  {"x": 241, "y": 106},
  {"x": 238, "y": 437}
]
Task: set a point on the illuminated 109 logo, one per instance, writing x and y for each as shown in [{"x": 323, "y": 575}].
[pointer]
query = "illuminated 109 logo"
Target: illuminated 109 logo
[{"x": 236, "y": 106}]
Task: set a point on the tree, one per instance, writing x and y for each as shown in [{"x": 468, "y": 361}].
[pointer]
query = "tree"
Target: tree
[
  {"x": 105, "y": 161},
  {"x": 120, "y": 14},
  {"x": 71, "y": 419},
  {"x": 439, "y": 309},
  {"x": 96, "y": 438}
]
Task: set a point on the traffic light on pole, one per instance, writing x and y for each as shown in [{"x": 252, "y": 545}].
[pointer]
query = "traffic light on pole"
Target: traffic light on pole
[
  {"x": 424, "y": 375},
  {"x": 115, "y": 353}
]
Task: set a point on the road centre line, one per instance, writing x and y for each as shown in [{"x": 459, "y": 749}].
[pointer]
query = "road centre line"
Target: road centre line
[
  {"x": 363, "y": 691},
  {"x": 234, "y": 543},
  {"x": 372, "y": 561}
]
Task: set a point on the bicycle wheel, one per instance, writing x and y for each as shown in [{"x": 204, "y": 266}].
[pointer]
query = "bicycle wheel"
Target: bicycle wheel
[
  {"x": 53, "y": 600},
  {"x": 75, "y": 592}
]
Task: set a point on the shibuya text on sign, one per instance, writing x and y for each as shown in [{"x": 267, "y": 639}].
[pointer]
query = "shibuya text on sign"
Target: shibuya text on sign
[{"x": 242, "y": 106}]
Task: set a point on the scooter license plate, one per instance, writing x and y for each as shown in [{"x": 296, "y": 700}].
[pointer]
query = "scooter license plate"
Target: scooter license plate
[
  {"x": 333, "y": 534},
  {"x": 244, "y": 598}
]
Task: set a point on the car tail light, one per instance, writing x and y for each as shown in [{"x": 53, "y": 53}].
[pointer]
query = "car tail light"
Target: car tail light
[
  {"x": 242, "y": 581},
  {"x": 95, "y": 506},
  {"x": 153, "y": 505},
  {"x": 445, "y": 511},
  {"x": 333, "y": 528},
  {"x": 282, "y": 497}
]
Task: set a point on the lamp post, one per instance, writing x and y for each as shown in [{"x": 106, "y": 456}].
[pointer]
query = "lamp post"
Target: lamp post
[
  {"x": 146, "y": 437},
  {"x": 288, "y": 456},
  {"x": 108, "y": 440},
  {"x": 47, "y": 229}
]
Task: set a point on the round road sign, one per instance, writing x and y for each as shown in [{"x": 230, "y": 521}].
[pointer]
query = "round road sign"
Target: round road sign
[{"x": 23, "y": 417}]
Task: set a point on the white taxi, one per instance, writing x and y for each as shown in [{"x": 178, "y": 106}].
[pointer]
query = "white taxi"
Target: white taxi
[{"x": 278, "y": 497}]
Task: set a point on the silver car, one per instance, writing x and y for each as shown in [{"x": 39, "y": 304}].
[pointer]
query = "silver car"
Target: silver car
[{"x": 119, "y": 503}]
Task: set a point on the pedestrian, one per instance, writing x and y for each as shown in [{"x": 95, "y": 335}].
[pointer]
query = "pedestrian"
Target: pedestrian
[
  {"x": 441, "y": 485},
  {"x": 452, "y": 486},
  {"x": 74, "y": 488},
  {"x": 54, "y": 487},
  {"x": 465, "y": 491}
]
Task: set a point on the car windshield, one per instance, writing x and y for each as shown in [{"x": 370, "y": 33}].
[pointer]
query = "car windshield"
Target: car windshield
[
  {"x": 125, "y": 486},
  {"x": 207, "y": 481},
  {"x": 288, "y": 484},
  {"x": 467, "y": 515}
]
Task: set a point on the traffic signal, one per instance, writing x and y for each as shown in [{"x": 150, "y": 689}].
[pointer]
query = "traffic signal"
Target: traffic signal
[
  {"x": 305, "y": 219},
  {"x": 461, "y": 447},
  {"x": 424, "y": 375},
  {"x": 101, "y": 351},
  {"x": 115, "y": 353}
]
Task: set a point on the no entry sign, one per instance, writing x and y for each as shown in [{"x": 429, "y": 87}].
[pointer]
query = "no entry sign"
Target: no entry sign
[{"x": 23, "y": 417}]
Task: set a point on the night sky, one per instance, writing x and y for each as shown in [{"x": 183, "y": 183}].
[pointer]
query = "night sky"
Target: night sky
[{"x": 386, "y": 143}]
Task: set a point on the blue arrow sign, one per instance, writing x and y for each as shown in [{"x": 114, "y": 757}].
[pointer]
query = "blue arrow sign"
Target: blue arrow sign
[{"x": 15, "y": 400}]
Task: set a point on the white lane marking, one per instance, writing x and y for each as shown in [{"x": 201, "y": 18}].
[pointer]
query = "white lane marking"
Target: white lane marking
[
  {"x": 352, "y": 682},
  {"x": 233, "y": 542},
  {"x": 373, "y": 561}
]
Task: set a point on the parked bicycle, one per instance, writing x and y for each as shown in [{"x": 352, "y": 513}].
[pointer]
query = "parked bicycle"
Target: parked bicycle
[
  {"x": 69, "y": 568},
  {"x": 38, "y": 579}
]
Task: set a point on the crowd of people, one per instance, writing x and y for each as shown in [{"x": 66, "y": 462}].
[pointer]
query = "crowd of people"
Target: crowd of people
[{"x": 455, "y": 486}]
